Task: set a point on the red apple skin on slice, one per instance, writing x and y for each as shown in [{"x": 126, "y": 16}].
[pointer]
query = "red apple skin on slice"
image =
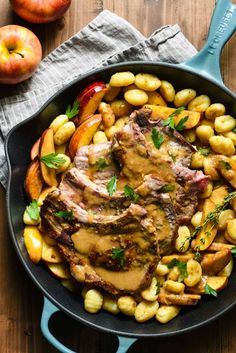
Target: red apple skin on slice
[
  {"x": 47, "y": 147},
  {"x": 89, "y": 100},
  {"x": 33, "y": 180},
  {"x": 34, "y": 152},
  {"x": 84, "y": 133}
]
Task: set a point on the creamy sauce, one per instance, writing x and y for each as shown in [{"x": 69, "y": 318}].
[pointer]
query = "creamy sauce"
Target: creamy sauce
[{"x": 126, "y": 280}]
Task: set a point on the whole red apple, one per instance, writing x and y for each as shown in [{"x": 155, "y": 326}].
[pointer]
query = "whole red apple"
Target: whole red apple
[
  {"x": 40, "y": 11},
  {"x": 20, "y": 54}
]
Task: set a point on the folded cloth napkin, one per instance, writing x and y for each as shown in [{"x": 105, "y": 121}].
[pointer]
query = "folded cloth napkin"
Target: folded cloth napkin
[{"x": 106, "y": 40}]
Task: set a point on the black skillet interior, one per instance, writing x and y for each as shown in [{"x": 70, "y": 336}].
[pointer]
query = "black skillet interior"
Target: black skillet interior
[{"x": 18, "y": 146}]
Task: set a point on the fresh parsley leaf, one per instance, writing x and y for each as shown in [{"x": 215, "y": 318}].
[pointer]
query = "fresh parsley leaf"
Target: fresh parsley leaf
[
  {"x": 234, "y": 130},
  {"x": 233, "y": 251},
  {"x": 52, "y": 160},
  {"x": 180, "y": 126},
  {"x": 177, "y": 111},
  {"x": 64, "y": 214},
  {"x": 118, "y": 254},
  {"x": 182, "y": 266},
  {"x": 101, "y": 163},
  {"x": 226, "y": 165},
  {"x": 33, "y": 210},
  {"x": 111, "y": 186},
  {"x": 157, "y": 138},
  {"x": 204, "y": 151},
  {"x": 169, "y": 122},
  {"x": 210, "y": 291},
  {"x": 130, "y": 193},
  {"x": 71, "y": 112},
  {"x": 167, "y": 188}
]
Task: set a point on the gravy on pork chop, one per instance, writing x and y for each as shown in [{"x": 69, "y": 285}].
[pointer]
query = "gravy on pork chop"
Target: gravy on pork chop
[{"x": 115, "y": 241}]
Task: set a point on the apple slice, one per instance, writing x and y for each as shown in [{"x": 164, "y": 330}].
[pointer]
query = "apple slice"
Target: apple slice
[
  {"x": 33, "y": 242},
  {"x": 51, "y": 254},
  {"x": 84, "y": 133},
  {"x": 89, "y": 99},
  {"x": 34, "y": 152},
  {"x": 59, "y": 270},
  {"x": 160, "y": 112},
  {"x": 47, "y": 147},
  {"x": 218, "y": 283},
  {"x": 33, "y": 180}
]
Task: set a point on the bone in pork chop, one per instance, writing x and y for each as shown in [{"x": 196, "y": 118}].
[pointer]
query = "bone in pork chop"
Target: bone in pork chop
[{"x": 110, "y": 241}]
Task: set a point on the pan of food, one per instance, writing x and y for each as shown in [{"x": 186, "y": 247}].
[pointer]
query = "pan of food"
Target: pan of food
[{"x": 121, "y": 198}]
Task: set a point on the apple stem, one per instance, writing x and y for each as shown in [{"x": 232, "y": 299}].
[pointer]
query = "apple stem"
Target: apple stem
[{"x": 16, "y": 52}]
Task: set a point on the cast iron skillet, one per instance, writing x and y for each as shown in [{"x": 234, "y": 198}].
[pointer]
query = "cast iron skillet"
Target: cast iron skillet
[{"x": 201, "y": 73}]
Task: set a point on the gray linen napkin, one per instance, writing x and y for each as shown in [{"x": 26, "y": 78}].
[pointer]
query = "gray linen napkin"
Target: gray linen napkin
[{"x": 107, "y": 39}]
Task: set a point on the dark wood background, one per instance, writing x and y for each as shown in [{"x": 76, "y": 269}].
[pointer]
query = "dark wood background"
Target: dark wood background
[{"x": 20, "y": 300}]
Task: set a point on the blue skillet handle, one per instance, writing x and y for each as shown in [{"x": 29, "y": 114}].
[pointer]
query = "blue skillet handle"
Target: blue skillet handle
[
  {"x": 223, "y": 25},
  {"x": 49, "y": 309}
]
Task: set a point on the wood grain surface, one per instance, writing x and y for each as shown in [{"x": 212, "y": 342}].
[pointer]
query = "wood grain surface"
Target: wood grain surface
[{"x": 20, "y": 300}]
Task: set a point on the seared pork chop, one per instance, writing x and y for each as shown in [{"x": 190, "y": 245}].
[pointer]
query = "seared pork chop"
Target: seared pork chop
[{"x": 115, "y": 241}]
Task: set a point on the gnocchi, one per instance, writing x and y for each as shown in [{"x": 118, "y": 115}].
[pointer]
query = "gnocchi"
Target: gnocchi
[
  {"x": 146, "y": 310},
  {"x": 166, "y": 313},
  {"x": 222, "y": 145},
  {"x": 224, "y": 123},
  {"x": 64, "y": 133},
  {"x": 199, "y": 103},
  {"x": 167, "y": 91},
  {"x": 194, "y": 271},
  {"x": 215, "y": 110},
  {"x": 183, "y": 97},
  {"x": 93, "y": 301},
  {"x": 136, "y": 97},
  {"x": 120, "y": 79},
  {"x": 147, "y": 82}
]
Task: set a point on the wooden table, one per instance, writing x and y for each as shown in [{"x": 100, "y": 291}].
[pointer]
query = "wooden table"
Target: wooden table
[{"x": 20, "y": 300}]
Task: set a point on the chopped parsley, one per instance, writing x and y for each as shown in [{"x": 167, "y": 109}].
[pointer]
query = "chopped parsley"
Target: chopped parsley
[
  {"x": 101, "y": 163},
  {"x": 52, "y": 160},
  {"x": 171, "y": 122},
  {"x": 234, "y": 130},
  {"x": 180, "y": 126},
  {"x": 157, "y": 138},
  {"x": 167, "y": 188},
  {"x": 226, "y": 165},
  {"x": 33, "y": 210},
  {"x": 182, "y": 266},
  {"x": 111, "y": 185},
  {"x": 64, "y": 214},
  {"x": 71, "y": 112},
  {"x": 130, "y": 193},
  {"x": 204, "y": 151},
  {"x": 210, "y": 291},
  {"x": 118, "y": 254}
]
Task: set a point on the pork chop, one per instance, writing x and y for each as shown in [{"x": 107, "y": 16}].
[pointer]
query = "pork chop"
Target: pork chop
[{"x": 114, "y": 240}]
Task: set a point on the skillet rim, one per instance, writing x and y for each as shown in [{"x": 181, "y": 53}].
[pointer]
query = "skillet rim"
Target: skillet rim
[{"x": 8, "y": 192}]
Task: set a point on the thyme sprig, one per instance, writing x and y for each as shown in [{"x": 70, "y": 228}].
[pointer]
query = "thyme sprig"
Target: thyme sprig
[{"x": 212, "y": 217}]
